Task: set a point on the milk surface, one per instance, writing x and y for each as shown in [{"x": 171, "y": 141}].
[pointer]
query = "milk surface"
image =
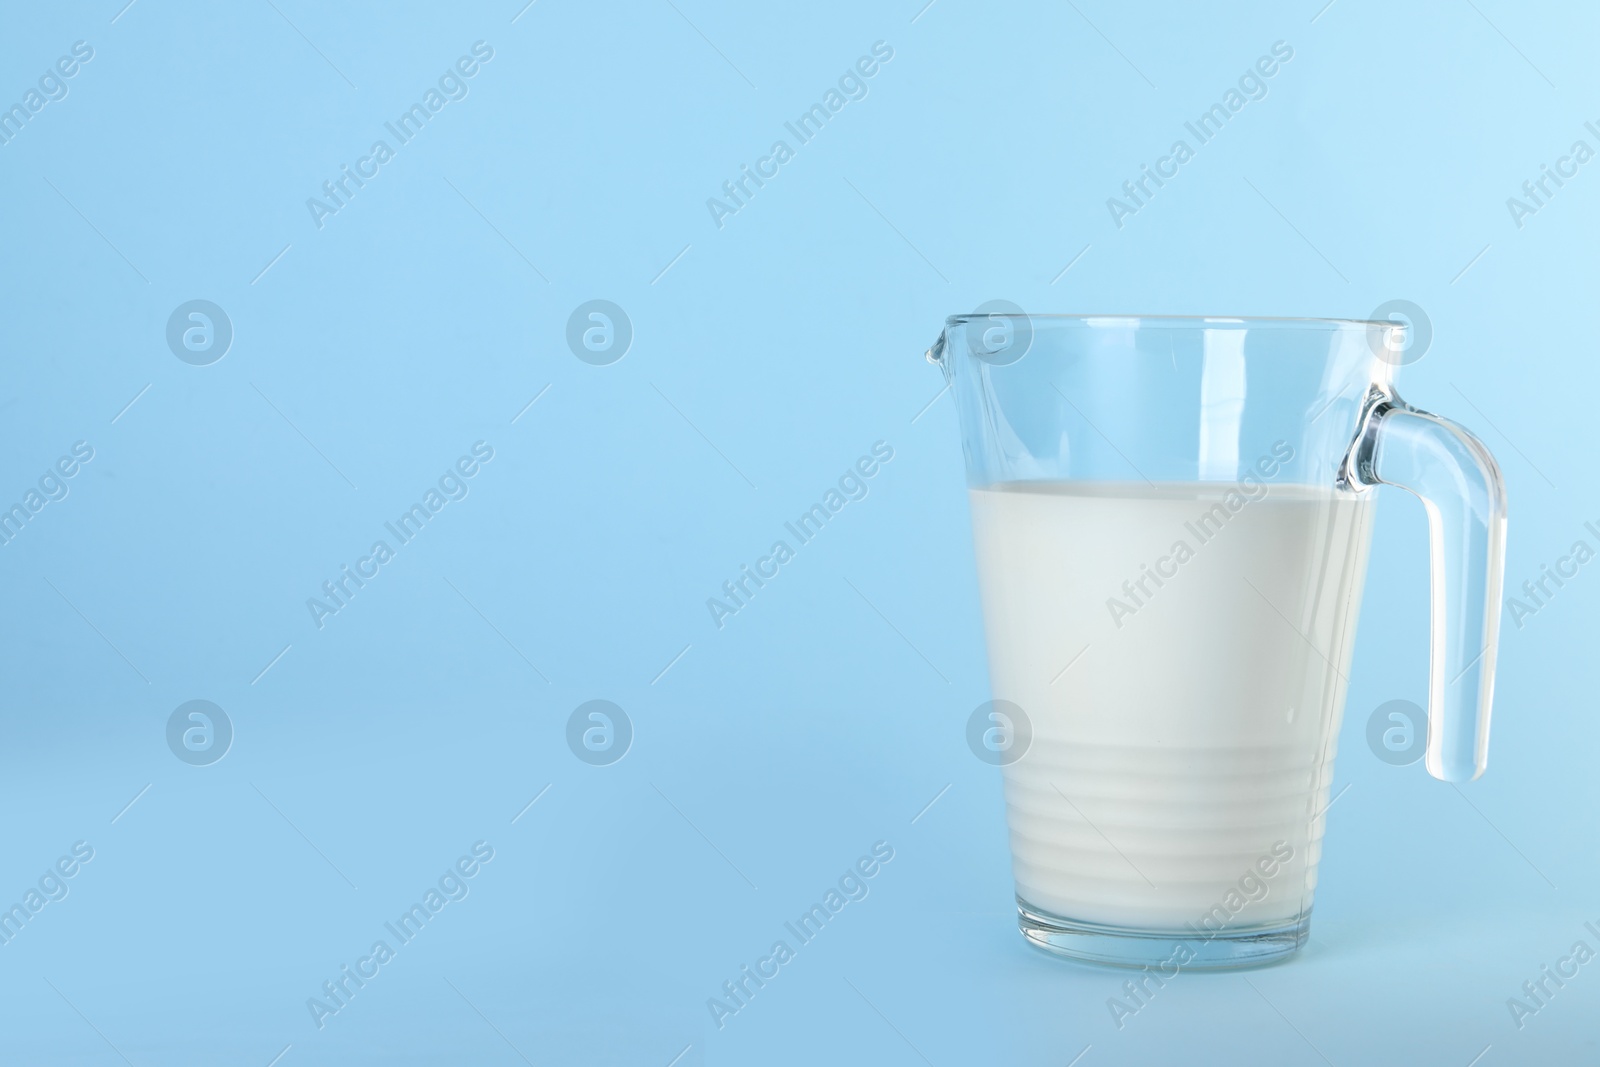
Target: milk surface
[{"x": 1181, "y": 762}]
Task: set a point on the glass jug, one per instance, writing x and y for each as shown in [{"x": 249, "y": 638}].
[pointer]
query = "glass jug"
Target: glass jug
[{"x": 1170, "y": 520}]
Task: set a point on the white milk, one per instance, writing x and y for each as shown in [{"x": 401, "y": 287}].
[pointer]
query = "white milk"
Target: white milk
[{"x": 1182, "y": 762}]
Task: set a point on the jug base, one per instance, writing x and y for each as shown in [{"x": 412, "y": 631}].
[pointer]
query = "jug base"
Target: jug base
[{"x": 1169, "y": 951}]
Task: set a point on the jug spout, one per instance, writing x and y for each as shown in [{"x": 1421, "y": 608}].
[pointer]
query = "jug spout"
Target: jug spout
[{"x": 936, "y": 353}]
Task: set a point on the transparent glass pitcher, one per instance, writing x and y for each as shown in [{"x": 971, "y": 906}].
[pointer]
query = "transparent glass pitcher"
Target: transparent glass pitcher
[{"x": 1171, "y": 519}]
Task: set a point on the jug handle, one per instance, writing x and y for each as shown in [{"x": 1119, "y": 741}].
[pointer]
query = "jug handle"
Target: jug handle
[{"x": 1459, "y": 484}]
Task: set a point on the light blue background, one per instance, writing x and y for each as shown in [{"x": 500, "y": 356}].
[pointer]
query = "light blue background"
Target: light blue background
[{"x": 775, "y": 351}]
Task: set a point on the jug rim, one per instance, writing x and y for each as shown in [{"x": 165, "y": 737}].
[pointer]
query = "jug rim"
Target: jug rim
[{"x": 1182, "y": 321}]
